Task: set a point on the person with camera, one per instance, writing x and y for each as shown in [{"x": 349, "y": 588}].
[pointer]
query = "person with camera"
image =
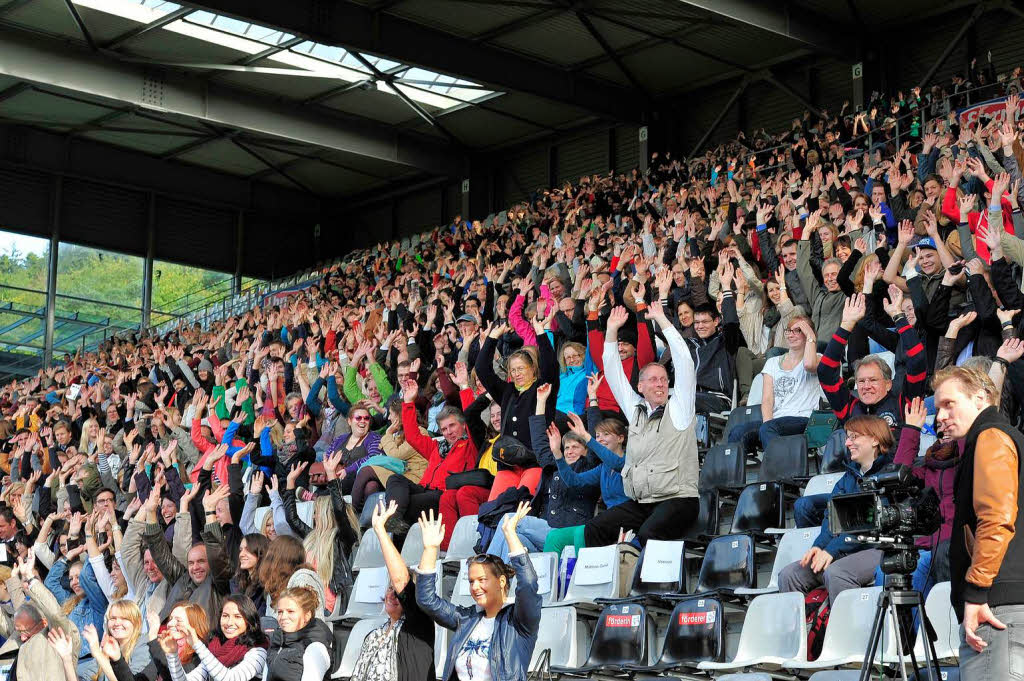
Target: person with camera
[
  {"x": 938, "y": 470},
  {"x": 838, "y": 562},
  {"x": 987, "y": 593}
]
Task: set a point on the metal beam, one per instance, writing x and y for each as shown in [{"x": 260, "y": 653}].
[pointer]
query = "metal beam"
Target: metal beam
[
  {"x": 51, "y": 272},
  {"x": 168, "y": 18},
  {"x": 721, "y": 116},
  {"x": 795, "y": 23},
  {"x": 32, "y": 59},
  {"x": 979, "y": 9},
  {"x": 516, "y": 24},
  {"x": 13, "y": 5},
  {"x": 359, "y": 28},
  {"x": 769, "y": 77},
  {"x": 610, "y": 51},
  {"x": 388, "y": 80},
  {"x": 82, "y": 28}
]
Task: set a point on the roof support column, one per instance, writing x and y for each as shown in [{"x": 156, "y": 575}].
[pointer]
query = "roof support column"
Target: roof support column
[{"x": 51, "y": 272}]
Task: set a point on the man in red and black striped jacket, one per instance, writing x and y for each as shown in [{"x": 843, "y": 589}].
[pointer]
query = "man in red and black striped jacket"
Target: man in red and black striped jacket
[{"x": 873, "y": 375}]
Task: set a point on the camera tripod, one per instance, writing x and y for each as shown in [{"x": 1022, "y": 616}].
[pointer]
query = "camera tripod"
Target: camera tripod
[{"x": 896, "y": 602}]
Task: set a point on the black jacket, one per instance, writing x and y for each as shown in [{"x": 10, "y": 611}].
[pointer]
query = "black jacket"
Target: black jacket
[
  {"x": 344, "y": 539},
  {"x": 1007, "y": 587},
  {"x": 284, "y": 656}
]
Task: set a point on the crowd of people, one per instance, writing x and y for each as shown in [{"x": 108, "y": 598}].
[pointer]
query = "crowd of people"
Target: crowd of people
[{"x": 550, "y": 370}]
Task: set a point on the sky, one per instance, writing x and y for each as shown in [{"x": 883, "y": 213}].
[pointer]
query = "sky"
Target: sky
[{"x": 24, "y": 244}]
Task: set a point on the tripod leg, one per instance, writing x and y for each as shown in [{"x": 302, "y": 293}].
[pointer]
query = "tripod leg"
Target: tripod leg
[
  {"x": 893, "y": 611},
  {"x": 930, "y": 657},
  {"x": 876, "y": 635}
]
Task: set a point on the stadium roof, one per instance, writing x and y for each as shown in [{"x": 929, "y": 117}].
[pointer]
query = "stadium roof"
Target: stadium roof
[{"x": 344, "y": 99}]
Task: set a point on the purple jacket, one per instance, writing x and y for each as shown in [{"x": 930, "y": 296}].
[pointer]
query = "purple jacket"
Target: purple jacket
[
  {"x": 371, "y": 443},
  {"x": 939, "y": 475}
]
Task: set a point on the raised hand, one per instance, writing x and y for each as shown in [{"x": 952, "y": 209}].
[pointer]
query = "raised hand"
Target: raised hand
[
  {"x": 915, "y": 413},
  {"x": 294, "y": 473},
  {"x": 461, "y": 375},
  {"x": 893, "y": 304},
  {"x": 511, "y": 522},
  {"x": 617, "y": 318},
  {"x": 332, "y": 466},
  {"x": 593, "y": 383},
  {"x": 577, "y": 426},
  {"x": 1011, "y": 350},
  {"x": 211, "y": 499},
  {"x": 382, "y": 514},
  {"x": 257, "y": 482},
  {"x": 61, "y": 643},
  {"x": 433, "y": 529},
  {"x": 854, "y": 310},
  {"x": 554, "y": 440}
]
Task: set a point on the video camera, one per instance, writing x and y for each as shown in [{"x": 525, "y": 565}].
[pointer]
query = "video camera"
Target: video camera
[{"x": 893, "y": 507}]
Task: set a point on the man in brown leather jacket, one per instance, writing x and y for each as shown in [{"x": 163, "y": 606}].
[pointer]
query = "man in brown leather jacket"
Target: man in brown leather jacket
[{"x": 986, "y": 554}]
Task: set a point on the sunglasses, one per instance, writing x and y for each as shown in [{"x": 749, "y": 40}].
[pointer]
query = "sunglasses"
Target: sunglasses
[{"x": 360, "y": 418}]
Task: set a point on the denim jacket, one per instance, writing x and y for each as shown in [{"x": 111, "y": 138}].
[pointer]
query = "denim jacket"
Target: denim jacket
[{"x": 515, "y": 626}]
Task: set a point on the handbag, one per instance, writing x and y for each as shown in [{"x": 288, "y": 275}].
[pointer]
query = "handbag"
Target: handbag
[
  {"x": 478, "y": 477},
  {"x": 509, "y": 451}
]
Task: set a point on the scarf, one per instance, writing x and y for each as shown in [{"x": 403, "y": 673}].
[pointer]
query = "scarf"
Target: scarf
[
  {"x": 444, "y": 447},
  {"x": 230, "y": 652},
  {"x": 378, "y": 660}
]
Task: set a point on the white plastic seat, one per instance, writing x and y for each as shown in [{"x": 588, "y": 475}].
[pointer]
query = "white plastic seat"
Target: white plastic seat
[
  {"x": 756, "y": 390},
  {"x": 546, "y": 567},
  {"x": 412, "y": 549},
  {"x": 774, "y": 633},
  {"x": 464, "y": 539},
  {"x": 890, "y": 359},
  {"x": 596, "y": 575},
  {"x": 304, "y": 509},
  {"x": 369, "y": 553},
  {"x": 821, "y": 484},
  {"x": 943, "y": 619},
  {"x": 460, "y": 594},
  {"x": 793, "y": 544},
  {"x": 354, "y": 646},
  {"x": 848, "y": 632},
  {"x": 745, "y": 676},
  {"x": 440, "y": 649},
  {"x": 557, "y": 633},
  {"x": 368, "y": 590}
]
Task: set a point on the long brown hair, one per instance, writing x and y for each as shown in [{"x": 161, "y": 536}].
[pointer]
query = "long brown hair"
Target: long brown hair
[
  {"x": 284, "y": 556},
  {"x": 197, "y": 618}
]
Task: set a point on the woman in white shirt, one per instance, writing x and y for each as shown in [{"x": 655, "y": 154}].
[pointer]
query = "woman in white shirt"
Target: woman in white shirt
[
  {"x": 791, "y": 389},
  {"x": 493, "y": 640}
]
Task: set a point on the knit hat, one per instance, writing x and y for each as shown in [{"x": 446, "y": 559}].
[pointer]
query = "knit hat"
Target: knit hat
[
  {"x": 205, "y": 365},
  {"x": 308, "y": 578}
]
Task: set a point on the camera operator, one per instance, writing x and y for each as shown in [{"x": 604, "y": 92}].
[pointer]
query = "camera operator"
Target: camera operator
[
  {"x": 835, "y": 561},
  {"x": 985, "y": 565},
  {"x": 938, "y": 471}
]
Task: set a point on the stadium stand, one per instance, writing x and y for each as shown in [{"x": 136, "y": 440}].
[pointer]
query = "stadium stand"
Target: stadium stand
[{"x": 466, "y": 370}]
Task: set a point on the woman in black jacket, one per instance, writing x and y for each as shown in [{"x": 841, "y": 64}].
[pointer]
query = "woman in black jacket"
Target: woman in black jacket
[
  {"x": 300, "y": 650},
  {"x": 518, "y": 400},
  {"x": 335, "y": 531}
]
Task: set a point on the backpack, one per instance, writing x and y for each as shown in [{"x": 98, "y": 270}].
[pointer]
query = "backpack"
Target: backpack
[
  {"x": 629, "y": 555},
  {"x": 819, "y": 427},
  {"x": 816, "y": 610}
]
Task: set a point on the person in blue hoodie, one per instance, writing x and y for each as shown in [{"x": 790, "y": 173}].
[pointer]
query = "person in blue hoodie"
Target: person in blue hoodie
[{"x": 837, "y": 561}]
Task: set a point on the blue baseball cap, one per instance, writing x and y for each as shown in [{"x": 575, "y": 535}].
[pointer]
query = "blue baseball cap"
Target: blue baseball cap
[{"x": 923, "y": 242}]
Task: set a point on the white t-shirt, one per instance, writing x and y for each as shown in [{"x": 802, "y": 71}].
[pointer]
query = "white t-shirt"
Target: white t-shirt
[
  {"x": 473, "y": 663},
  {"x": 797, "y": 391}
]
